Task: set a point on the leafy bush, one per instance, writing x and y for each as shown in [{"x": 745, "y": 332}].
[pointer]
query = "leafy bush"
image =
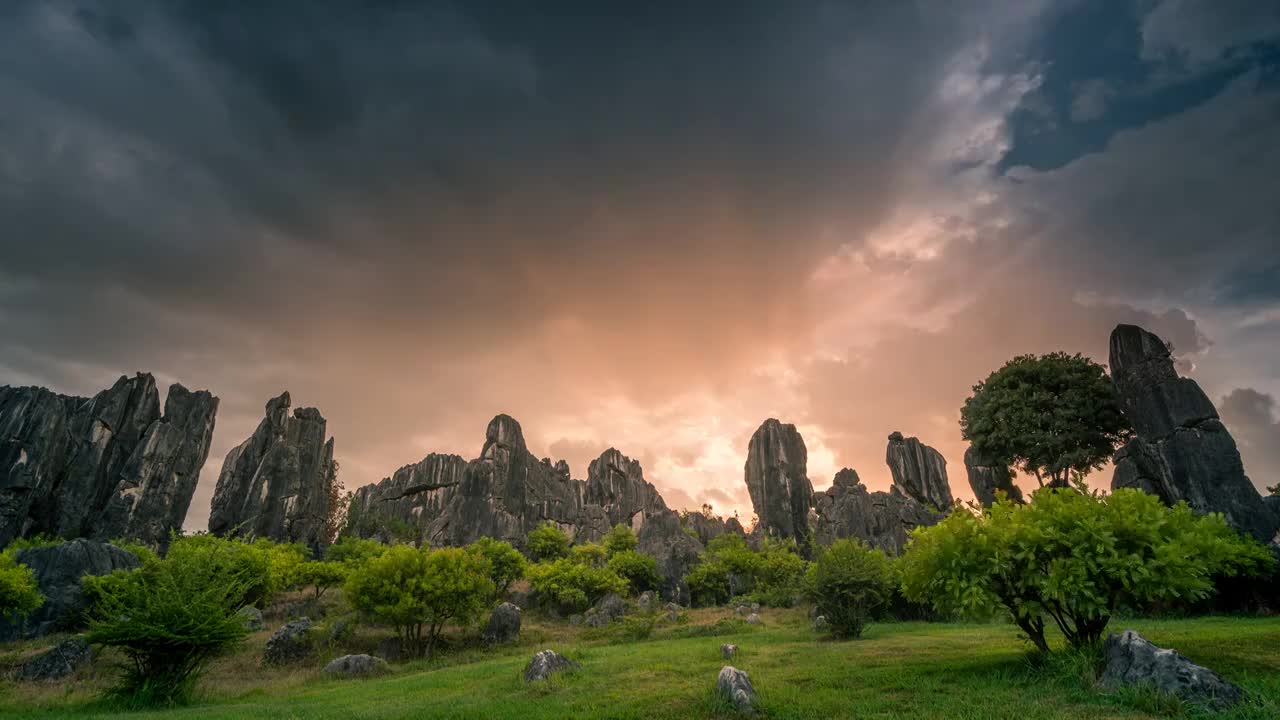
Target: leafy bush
[
  {"x": 779, "y": 575},
  {"x": 249, "y": 563},
  {"x": 283, "y": 561},
  {"x": 506, "y": 564},
  {"x": 547, "y": 542},
  {"x": 592, "y": 554},
  {"x": 573, "y": 586},
  {"x": 619, "y": 539},
  {"x": 639, "y": 570},
  {"x": 1074, "y": 558},
  {"x": 708, "y": 582},
  {"x": 171, "y": 616},
  {"x": 320, "y": 575},
  {"x": 418, "y": 591},
  {"x": 19, "y": 594},
  {"x": 354, "y": 551},
  {"x": 847, "y": 583}
]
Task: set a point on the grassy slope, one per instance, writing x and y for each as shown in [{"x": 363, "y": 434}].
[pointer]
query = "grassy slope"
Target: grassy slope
[{"x": 908, "y": 670}]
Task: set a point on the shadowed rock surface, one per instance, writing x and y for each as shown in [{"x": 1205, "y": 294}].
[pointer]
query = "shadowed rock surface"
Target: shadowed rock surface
[
  {"x": 987, "y": 476},
  {"x": 356, "y": 666},
  {"x": 276, "y": 483},
  {"x": 57, "y": 662},
  {"x": 1131, "y": 660},
  {"x": 58, "y": 570},
  {"x": 106, "y": 467},
  {"x": 734, "y": 686},
  {"x": 504, "y": 625},
  {"x": 880, "y": 519},
  {"x": 919, "y": 471},
  {"x": 290, "y": 643},
  {"x": 777, "y": 480},
  {"x": 1182, "y": 451},
  {"x": 545, "y": 664}
]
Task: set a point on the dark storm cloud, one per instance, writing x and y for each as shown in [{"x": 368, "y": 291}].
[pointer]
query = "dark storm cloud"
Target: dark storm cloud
[{"x": 1252, "y": 418}]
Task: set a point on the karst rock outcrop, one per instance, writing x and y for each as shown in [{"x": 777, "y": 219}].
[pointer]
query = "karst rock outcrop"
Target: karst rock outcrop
[
  {"x": 110, "y": 466},
  {"x": 919, "y": 471},
  {"x": 276, "y": 483},
  {"x": 883, "y": 520},
  {"x": 777, "y": 480},
  {"x": 987, "y": 476},
  {"x": 1181, "y": 451}
]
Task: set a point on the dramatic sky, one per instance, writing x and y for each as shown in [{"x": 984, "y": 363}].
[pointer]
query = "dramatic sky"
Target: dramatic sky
[{"x": 651, "y": 229}]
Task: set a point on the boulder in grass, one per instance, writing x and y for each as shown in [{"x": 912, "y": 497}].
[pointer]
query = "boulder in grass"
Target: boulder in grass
[
  {"x": 504, "y": 625},
  {"x": 545, "y": 664},
  {"x": 289, "y": 644},
  {"x": 58, "y": 662},
  {"x": 728, "y": 650},
  {"x": 252, "y": 618},
  {"x": 647, "y": 601},
  {"x": 753, "y": 619},
  {"x": 1131, "y": 660},
  {"x": 735, "y": 687},
  {"x": 820, "y": 624},
  {"x": 356, "y": 666}
]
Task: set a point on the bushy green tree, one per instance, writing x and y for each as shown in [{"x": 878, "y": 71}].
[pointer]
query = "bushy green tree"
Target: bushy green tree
[
  {"x": 171, "y": 616},
  {"x": 248, "y": 562},
  {"x": 847, "y": 583},
  {"x": 708, "y": 582},
  {"x": 505, "y": 563},
  {"x": 592, "y": 554},
  {"x": 353, "y": 551},
  {"x": 547, "y": 542},
  {"x": 619, "y": 539},
  {"x": 1071, "y": 559},
  {"x": 1054, "y": 416},
  {"x": 320, "y": 575},
  {"x": 418, "y": 591},
  {"x": 19, "y": 594},
  {"x": 283, "y": 561},
  {"x": 573, "y": 586},
  {"x": 639, "y": 570},
  {"x": 779, "y": 574}
]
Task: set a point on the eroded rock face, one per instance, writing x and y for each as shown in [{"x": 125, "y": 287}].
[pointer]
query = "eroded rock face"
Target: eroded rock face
[
  {"x": 882, "y": 520},
  {"x": 58, "y": 571},
  {"x": 616, "y": 483},
  {"x": 58, "y": 662},
  {"x": 545, "y": 664},
  {"x": 735, "y": 687},
  {"x": 986, "y": 477},
  {"x": 919, "y": 471},
  {"x": 289, "y": 644},
  {"x": 1131, "y": 660},
  {"x": 504, "y": 625},
  {"x": 777, "y": 479},
  {"x": 414, "y": 496},
  {"x": 276, "y": 483},
  {"x": 1182, "y": 451},
  {"x": 356, "y": 666},
  {"x": 105, "y": 467}
]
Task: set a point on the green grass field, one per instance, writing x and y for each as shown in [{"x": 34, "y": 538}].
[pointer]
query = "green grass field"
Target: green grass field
[{"x": 898, "y": 670}]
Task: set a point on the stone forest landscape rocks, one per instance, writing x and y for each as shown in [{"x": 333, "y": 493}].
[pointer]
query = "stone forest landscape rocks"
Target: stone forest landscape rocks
[{"x": 895, "y": 359}]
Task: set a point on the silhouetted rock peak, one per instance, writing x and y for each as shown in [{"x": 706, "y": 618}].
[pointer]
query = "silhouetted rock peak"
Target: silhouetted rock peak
[
  {"x": 918, "y": 471},
  {"x": 987, "y": 476},
  {"x": 777, "y": 480}
]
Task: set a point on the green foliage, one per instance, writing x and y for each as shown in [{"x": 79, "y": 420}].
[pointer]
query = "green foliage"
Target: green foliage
[
  {"x": 320, "y": 575},
  {"x": 708, "y": 582},
  {"x": 639, "y": 570},
  {"x": 547, "y": 542},
  {"x": 249, "y": 563},
  {"x": 780, "y": 575},
  {"x": 171, "y": 616},
  {"x": 353, "y": 551},
  {"x": 847, "y": 583},
  {"x": 1074, "y": 558},
  {"x": 1053, "y": 416},
  {"x": 283, "y": 561},
  {"x": 573, "y": 586},
  {"x": 418, "y": 591},
  {"x": 592, "y": 554},
  {"x": 505, "y": 563},
  {"x": 619, "y": 539},
  {"x": 19, "y": 594},
  {"x": 35, "y": 541},
  {"x": 144, "y": 552}
]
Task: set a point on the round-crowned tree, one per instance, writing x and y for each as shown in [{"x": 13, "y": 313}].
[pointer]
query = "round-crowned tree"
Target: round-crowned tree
[{"x": 1053, "y": 416}]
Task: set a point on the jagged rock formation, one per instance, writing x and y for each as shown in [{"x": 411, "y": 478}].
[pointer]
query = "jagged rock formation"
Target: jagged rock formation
[
  {"x": 709, "y": 527},
  {"x": 987, "y": 476},
  {"x": 413, "y": 497},
  {"x": 58, "y": 571},
  {"x": 105, "y": 467},
  {"x": 1133, "y": 661},
  {"x": 881, "y": 519},
  {"x": 919, "y": 471},
  {"x": 1182, "y": 451},
  {"x": 616, "y": 483},
  {"x": 776, "y": 477},
  {"x": 276, "y": 483}
]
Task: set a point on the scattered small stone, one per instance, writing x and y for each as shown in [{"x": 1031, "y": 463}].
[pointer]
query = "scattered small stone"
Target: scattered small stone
[
  {"x": 727, "y": 651},
  {"x": 754, "y": 619},
  {"x": 545, "y": 664},
  {"x": 647, "y": 601},
  {"x": 290, "y": 643},
  {"x": 356, "y": 666},
  {"x": 820, "y": 624},
  {"x": 1132, "y": 660},
  {"x": 735, "y": 686},
  {"x": 252, "y": 618},
  {"x": 58, "y": 662},
  {"x": 504, "y": 625},
  {"x": 742, "y": 610}
]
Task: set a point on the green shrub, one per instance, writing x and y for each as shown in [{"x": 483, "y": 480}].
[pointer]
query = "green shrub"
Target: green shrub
[
  {"x": 708, "y": 582},
  {"x": 354, "y": 551},
  {"x": 1074, "y": 558},
  {"x": 170, "y": 617},
  {"x": 283, "y": 561},
  {"x": 619, "y": 539},
  {"x": 573, "y": 586},
  {"x": 592, "y": 554},
  {"x": 249, "y": 563},
  {"x": 847, "y": 583},
  {"x": 779, "y": 575},
  {"x": 506, "y": 564},
  {"x": 417, "y": 591},
  {"x": 144, "y": 552},
  {"x": 35, "y": 541},
  {"x": 547, "y": 542},
  {"x": 19, "y": 594},
  {"x": 319, "y": 575},
  {"x": 639, "y": 570}
]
